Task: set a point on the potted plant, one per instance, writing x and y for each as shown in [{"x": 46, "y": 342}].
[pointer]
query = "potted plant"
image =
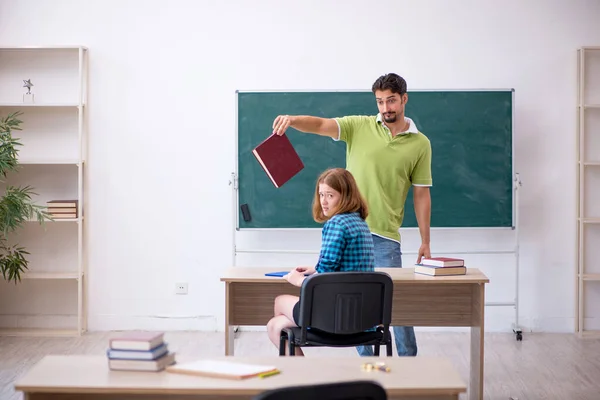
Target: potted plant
[{"x": 16, "y": 204}]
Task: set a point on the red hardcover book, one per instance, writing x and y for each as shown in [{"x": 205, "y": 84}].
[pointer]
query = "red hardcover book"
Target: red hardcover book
[
  {"x": 278, "y": 158},
  {"x": 443, "y": 262},
  {"x": 136, "y": 340}
]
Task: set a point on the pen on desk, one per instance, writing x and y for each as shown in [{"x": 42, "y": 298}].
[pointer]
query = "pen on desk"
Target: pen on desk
[
  {"x": 267, "y": 374},
  {"x": 377, "y": 366}
]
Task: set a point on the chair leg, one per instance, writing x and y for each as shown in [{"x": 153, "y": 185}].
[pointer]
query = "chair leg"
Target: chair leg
[
  {"x": 376, "y": 350},
  {"x": 282, "y": 343},
  {"x": 388, "y": 348},
  {"x": 287, "y": 335}
]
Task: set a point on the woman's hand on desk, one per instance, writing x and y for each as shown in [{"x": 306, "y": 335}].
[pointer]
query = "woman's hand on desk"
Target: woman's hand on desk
[
  {"x": 295, "y": 277},
  {"x": 306, "y": 270}
]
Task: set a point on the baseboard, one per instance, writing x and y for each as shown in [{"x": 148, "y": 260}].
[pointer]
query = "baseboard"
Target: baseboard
[
  {"x": 150, "y": 322},
  {"x": 541, "y": 325},
  {"x": 547, "y": 325},
  {"x": 212, "y": 324}
]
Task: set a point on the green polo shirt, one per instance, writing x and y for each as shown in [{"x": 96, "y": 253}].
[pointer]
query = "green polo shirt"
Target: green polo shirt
[{"x": 384, "y": 168}]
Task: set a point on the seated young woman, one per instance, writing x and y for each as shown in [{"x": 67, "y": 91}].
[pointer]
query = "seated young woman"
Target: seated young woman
[{"x": 346, "y": 244}]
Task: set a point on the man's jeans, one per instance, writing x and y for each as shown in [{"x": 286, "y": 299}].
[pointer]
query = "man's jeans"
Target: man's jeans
[{"x": 388, "y": 254}]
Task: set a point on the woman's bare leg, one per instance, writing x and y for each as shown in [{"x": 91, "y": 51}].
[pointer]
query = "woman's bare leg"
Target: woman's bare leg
[
  {"x": 284, "y": 305},
  {"x": 284, "y": 318}
]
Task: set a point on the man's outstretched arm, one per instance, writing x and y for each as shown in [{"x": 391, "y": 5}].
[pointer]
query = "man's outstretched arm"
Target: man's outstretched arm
[{"x": 306, "y": 123}]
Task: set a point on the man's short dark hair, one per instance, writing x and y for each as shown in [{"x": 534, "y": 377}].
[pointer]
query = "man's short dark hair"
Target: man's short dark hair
[{"x": 393, "y": 82}]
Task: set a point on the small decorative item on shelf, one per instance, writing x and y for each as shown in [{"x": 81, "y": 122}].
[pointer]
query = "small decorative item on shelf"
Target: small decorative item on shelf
[{"x": 28, "y": 98}]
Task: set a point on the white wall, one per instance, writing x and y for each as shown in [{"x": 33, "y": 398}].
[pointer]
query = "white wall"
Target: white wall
[{"x": 162, "y": 83}]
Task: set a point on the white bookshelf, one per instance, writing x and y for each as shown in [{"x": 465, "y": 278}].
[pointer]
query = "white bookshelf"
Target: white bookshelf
[
  {"x": 51, "y": 275},
  {"x": 50, "y": 300},
  {"x": 587, "y": 319}
]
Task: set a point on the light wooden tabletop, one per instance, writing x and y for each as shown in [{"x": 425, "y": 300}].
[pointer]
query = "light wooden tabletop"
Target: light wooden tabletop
[
  {"x": 90, "y": 374},
  {"x": 257, "y": 274}
]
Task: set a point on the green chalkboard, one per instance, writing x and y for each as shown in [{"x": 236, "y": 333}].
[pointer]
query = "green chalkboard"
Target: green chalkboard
[{"x": 471, "y": 135}]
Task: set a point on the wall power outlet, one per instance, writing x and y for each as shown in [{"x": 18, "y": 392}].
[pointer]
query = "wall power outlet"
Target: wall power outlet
[{"x": 181, "y": 288}]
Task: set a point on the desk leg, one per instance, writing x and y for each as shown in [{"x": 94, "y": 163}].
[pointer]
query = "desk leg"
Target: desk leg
[
  {"x": 229, "y": 334},
  {"x": 229, "y": 340},
  {"x": 477, "y": 335}
]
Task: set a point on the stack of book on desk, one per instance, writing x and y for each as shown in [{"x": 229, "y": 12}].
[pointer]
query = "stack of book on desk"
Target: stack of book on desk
[
  {"x": 441, "y": 266},
  {"x": 139, "y": 351}
]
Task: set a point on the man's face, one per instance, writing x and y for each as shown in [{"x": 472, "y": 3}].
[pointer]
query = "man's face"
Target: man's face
[{"x": 390, "y": 105}]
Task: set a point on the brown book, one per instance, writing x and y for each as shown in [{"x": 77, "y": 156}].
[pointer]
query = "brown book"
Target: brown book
[
  {"x": 63, "y": 215},
  {"x": 62, "y": 203},
  {"x": 439, "y": 271},
  {"x": 62, "y": 210},
  {"x": 278, "y": 158}
]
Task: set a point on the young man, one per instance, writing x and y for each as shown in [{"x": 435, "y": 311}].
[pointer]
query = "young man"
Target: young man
[{"x": 386, "y": 154}]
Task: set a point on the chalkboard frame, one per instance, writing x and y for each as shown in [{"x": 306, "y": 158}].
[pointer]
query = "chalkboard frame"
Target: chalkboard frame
[{"x": 237, "y": 212}]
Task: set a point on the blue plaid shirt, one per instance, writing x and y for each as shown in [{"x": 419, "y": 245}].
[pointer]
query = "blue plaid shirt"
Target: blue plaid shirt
[{"x": 346, "y": 245}]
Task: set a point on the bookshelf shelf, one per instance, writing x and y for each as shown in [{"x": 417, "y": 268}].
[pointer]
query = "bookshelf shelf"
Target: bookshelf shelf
[
  {"x": 39, "y": 105},
  {"x": 37, "y": 48},
  {"x": 590, "y": 220},
  {"x": 49, "y": 162},
  {"x": 588, "y": 187},
  {"x": 38, "y": 332},
  {"x": 590, "y": 334},
  {"x": 51, "y": 275},
  {"x": 59, "y": 220},
  {"x": 53, "y": 137},
  {"x": 591, "y": 277}
]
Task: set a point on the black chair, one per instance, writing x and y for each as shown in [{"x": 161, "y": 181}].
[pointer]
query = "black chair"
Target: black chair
[
  {"x": 357, "y": 390},
  {"x": 343, "y": 309}
]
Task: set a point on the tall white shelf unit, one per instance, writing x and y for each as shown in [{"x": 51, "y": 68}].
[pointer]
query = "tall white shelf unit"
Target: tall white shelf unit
[
  {"x": 588, "y": 193},
  {"x": 50, "y": 300}
]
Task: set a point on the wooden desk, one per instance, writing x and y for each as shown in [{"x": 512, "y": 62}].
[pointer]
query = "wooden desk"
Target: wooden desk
[
  {"x": 419, "y": 300},
  {"x": 88, "y": 377}
]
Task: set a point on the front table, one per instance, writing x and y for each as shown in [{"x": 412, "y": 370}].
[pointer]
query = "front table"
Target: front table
[
  {"x": 419, "y": 300},
  {"x": 74, "y": 377}
]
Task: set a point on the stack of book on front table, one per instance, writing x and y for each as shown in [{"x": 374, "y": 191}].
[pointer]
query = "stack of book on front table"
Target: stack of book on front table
[
  {"x": 62, "y": 209},
  {"x": 441, "y": 266},
  {"x": 139, "y": 351}
]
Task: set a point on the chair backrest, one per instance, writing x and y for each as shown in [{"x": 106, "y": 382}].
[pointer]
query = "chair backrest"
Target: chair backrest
[
  {"x": 346, "y": 302},
  {"x": 357, "y": 390}
]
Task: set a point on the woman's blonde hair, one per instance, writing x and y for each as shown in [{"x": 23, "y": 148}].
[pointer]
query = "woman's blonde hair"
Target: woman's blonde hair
[{"x": 342, "y": 181}]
